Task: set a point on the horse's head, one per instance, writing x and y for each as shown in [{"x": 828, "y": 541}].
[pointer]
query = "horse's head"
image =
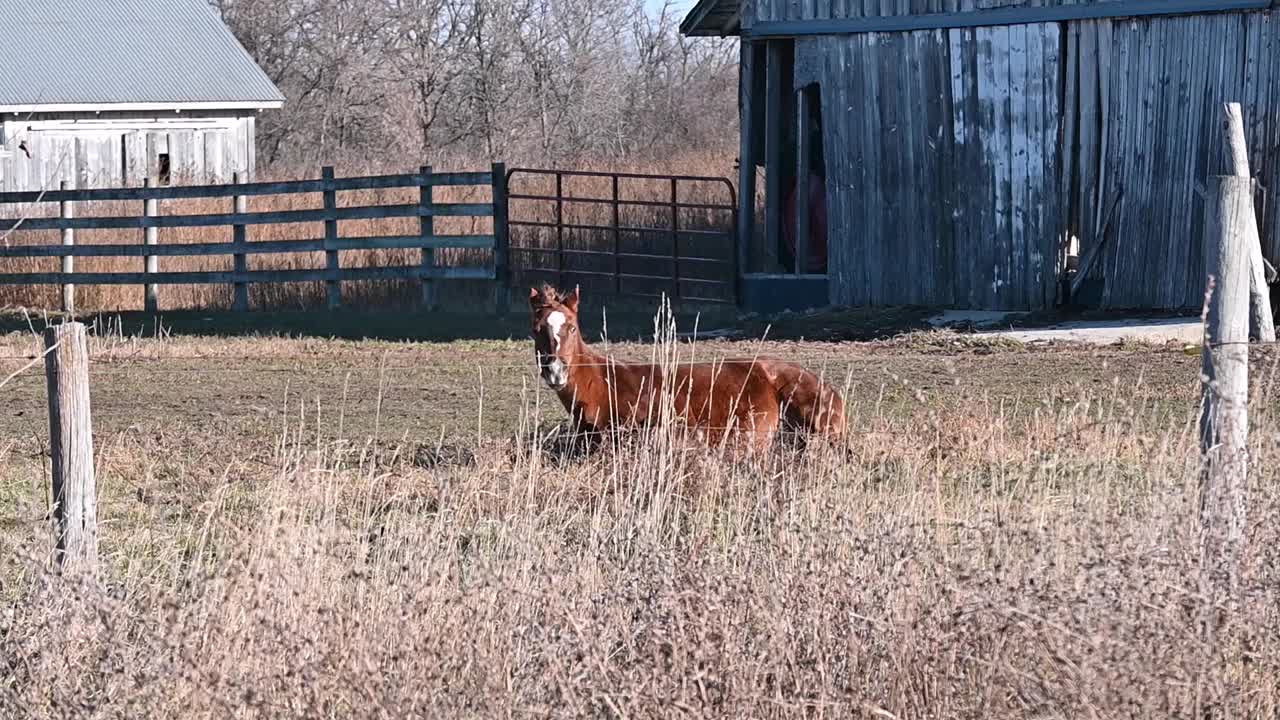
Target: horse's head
[{"x": 555, "y": 333}]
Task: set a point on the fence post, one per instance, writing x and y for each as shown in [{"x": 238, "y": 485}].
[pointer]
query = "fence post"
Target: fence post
[
  {"x": 67, "y": 211},
  {"x": 501, "y": 241},
  {"x": 75, "y": 509},
  {"x": 150, "y": 236},
  {"x": 333, "y": 286},
  {"x": 1224, "y": 419},
  {"x": 427, "y": 231},
  {"x": 1261, "y": 322},
  {"x": 239, "y": 238}
]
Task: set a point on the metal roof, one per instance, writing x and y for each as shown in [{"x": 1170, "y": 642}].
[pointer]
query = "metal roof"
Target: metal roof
[
  {"x": 712, "y": 18},
  {"x": 124, "y": 54}
]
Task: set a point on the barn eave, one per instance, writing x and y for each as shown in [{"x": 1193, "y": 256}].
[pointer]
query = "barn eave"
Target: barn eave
[
  {"x": 175, "y": 107},
  {"x": 713, "y": 18}
]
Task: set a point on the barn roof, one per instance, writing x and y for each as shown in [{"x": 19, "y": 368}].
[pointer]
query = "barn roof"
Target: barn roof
[
  {"x": 71, "y": 55},
  {"x": 712, "y": 17}
]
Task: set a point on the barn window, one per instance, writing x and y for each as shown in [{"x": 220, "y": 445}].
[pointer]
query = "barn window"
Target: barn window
[{"x": 162, "y": 172}]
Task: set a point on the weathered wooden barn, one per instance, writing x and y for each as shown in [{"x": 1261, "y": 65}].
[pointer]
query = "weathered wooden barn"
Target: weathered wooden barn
[
  {"x": 112, "y": 92},
  {"x": 968, "y": 153}
]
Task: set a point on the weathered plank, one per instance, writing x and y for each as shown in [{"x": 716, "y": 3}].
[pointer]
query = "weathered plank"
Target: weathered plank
[
  {"x": 968, "y": 158},
  {"x": 252, "y": 276},
  {"x": 1021, "y": 145},
  {"x": 886, "y": 16},
  {"x": 803, "y": 157},
  {"x": 274, "y": 247},
  {"x": 1188, "y": 272},
  {"x": 746, "y": 155},
  {"x": 188, "y": 192},
  {"x": 775, "y": 118},
  {"x": 258, "y": 218}
]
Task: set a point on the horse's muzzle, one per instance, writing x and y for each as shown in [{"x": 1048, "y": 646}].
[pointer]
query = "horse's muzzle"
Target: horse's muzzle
[{"x": 555, "y": 374}]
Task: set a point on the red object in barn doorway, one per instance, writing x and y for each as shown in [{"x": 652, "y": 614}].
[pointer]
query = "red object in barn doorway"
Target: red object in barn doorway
[{"x": 817, "y": 246}]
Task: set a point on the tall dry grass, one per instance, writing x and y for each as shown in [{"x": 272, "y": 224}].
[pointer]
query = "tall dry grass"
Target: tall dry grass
[
  {"x": 949, "y": 563},
  {"x": 529, "y": 265}
]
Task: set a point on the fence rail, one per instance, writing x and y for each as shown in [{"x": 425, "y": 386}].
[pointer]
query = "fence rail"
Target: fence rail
[{"x": 148, "y": 220}]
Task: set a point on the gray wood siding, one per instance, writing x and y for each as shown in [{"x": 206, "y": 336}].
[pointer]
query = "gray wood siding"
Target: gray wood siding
[
  {"x": 88, "y": 150},
  {"x": 943, "y": 165},
  {"x": 1149, "y": 98},
  {"x": 770, "y": 10}
]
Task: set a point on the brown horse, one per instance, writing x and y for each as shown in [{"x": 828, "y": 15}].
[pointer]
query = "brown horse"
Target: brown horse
[{"x": 751, "y": 398}]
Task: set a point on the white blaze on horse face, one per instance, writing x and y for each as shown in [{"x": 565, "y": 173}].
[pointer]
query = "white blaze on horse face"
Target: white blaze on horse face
[
  {"x": 554, "y": 371},
  {"x": 555, "y": 321}
]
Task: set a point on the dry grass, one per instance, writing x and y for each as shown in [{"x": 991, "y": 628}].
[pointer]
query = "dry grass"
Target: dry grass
[
  {"x": 962, "y": 557},
  {"x": 389, "y": 294}
]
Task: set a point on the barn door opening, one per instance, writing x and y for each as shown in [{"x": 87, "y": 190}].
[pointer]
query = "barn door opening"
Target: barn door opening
[
  {"x": 772, "y": 111},
  {"x": 804, "y": 231}
]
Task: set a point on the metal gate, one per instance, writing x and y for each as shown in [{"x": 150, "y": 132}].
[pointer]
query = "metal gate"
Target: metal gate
[{"x": 624, "y": 234}]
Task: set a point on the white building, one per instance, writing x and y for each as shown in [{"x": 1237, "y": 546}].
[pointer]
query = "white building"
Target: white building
[{"x": 111, "y": 92}]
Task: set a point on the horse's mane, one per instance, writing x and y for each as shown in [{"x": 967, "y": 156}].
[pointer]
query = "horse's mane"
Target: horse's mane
[{"x": 547, "y": 296}]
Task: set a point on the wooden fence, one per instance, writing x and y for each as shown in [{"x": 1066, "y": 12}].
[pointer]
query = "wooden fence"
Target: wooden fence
[{"x": 332, "y": 244}]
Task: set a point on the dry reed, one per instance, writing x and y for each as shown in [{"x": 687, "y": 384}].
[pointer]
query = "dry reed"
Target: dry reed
[{"x": 955, "y": 561}]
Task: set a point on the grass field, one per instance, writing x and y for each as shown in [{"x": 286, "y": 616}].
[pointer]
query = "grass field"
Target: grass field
[{"x": 310, "y": 526}]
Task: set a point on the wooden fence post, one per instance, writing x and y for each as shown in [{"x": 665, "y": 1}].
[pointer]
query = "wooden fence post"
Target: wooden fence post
[
  {"x": 426, "y": 230},
  {"x": 75, "y": 508},
  {"x": 67, "y": 211},
  {"x": 333, "y": 285},
  {"x": 151, "y": 236},
  {"x": 1224, "y": 420},
  {"x": 1261, "y": 322},
  {"x": 239, "y": 237},
  {"x": 502, "y": 240}
]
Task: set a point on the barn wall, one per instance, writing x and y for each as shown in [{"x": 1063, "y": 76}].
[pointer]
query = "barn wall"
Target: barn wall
[
  {"x": 1148, "y": 97},
  {"x": 769, "y": 10},
  {"x": 961, "y": 162},
  {"x": 114, "y": 149},
  {"x": 946, "y": 189}
]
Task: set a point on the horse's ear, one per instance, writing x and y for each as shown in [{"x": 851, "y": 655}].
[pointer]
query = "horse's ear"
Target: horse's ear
[
  {"x": 571, "y": 302},
  {"x": 533, "y": 297}
]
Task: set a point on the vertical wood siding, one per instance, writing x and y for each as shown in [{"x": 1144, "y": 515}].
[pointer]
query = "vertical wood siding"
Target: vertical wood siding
[
  {"x": 90, "y": 151},
  {"x": 944, "y": 188},
  {"x": 767, "y": 10},
  {"x": 1148, "y": 99},
  {"x": 961, "y": 162}
]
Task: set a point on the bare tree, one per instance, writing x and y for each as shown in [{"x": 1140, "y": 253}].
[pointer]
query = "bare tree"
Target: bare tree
[{"x": 528, "y": 80}]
